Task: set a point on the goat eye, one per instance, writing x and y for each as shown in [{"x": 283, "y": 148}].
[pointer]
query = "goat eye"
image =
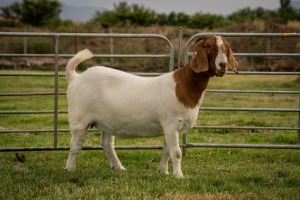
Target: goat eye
[{"x": 207, "y": 46}]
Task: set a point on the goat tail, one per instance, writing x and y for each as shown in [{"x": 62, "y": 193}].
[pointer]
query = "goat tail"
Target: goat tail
[{"x": 76, "y": 60}]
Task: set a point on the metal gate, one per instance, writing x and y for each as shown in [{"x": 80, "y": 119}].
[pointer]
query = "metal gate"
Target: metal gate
[
  {"x": 186, "y": 144},
  {"x": 56, "y": 55}
]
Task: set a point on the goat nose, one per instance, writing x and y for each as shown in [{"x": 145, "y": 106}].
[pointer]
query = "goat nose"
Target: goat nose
[{"x": 223, "y": 65}]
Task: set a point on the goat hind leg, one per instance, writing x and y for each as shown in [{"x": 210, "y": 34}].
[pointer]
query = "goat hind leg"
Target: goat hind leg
[
  {"x": 77, "y": 140},
  {"x": 107, "y": 143}
]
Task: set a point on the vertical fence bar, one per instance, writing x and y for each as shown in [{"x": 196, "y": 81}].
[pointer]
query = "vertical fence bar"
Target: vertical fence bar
[
  {"x": 299, "y": 123},
  {"x": 184, "y": 136},
  {"x": 56, "y": 92},
  {"x": 184, "y": 144},
  {"x": 111, "y": 47},
  {"x": 25, "y": 45},
  {"x": 179, "y": 47}
]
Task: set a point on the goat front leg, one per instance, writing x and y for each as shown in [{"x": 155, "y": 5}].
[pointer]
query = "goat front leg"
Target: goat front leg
[
  {"x": 172, "y": 141},
  {"x": 77, "y": 139},
  {"x": 107, "y": 143},
  {"x": 163, "y": 166}
]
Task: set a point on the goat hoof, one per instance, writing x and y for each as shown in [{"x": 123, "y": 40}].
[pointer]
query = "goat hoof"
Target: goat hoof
[
  {"x": 67, "y": 169},
  {"x": 119, "y": 168},
  {"x": 163, "y": 171},
  {"x": 178, "y": 175}
]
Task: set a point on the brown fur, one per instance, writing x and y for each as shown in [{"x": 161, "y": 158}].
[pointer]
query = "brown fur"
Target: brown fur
[
  {"x": 190, "y": 85},
  {"x": 232, "y": 63},
  {"x": 192, "y": 79}
]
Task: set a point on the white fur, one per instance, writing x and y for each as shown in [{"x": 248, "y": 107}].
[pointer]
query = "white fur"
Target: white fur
[
  {"x": 221, "y": 57},
  {"x": 72, "y": 64},
  {"x": 124, "y": 105}
]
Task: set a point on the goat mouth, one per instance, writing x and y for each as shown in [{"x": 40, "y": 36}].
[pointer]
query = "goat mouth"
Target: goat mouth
[{"x": 220, "y": 73}]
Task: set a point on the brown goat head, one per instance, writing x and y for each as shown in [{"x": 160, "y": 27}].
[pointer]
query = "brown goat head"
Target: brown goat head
[{"x": 213, "y": 55}]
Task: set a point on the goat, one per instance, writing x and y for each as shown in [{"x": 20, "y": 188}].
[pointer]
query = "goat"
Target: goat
[{"x": 124, "y": 105}]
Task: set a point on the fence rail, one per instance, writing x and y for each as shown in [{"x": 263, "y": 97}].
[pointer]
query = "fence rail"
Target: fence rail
[
  {"x": 55, "y": 112},
  {"x": 187, "y": 54},
  {"x": 56, "y": 55}
]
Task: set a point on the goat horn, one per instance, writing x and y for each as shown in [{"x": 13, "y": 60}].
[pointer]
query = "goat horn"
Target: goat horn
[{"x": 202, "y": 37}]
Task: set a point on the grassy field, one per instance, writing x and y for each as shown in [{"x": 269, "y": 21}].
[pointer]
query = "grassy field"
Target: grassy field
[{"x": 210, "y": 173}]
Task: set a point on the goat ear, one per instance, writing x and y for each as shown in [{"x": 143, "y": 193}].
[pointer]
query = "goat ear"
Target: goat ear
[
  {"x": 199, "y": 61},
  {"x": 232, "y": 63}
]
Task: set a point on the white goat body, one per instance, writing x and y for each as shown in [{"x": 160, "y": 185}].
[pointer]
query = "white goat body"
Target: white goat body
[{"x": 124, "y": 105}]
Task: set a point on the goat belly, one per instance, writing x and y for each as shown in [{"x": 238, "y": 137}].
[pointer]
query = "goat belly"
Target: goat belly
[
  {"x": 135, "y": 128},
  {"x": 132, "y": 129}
]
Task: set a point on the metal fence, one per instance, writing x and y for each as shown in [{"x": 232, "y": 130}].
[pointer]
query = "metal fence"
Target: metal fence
[
  {"x": 56, "y": 55},
  {"x": 186, "y": 144}
]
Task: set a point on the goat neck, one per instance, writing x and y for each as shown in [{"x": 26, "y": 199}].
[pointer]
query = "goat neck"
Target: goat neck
[{"x": 190, "y": 86}]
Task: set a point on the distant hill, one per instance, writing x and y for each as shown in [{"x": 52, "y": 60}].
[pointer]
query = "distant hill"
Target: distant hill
[{"x": 69, "y": 12}]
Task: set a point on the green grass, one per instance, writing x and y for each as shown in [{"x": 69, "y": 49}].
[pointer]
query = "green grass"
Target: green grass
[
  {"x": 210, "y": 173},
  {"x": 238, "y": 174}
]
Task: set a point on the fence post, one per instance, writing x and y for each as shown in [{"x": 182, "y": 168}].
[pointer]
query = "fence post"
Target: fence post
[
  {"x": 184, "y": 136},
  {"x": 179, "y": 46},
  {"x": 111, "y": 47},
  {"x": 299, "y": 123},
  {"x": 56, "y": 92},
  {"x": 25, "y": 43}
]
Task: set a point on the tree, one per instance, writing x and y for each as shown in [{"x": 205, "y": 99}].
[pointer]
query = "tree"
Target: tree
[
  {"x": 141, "y": 16},
  {"x": 123, "y": 14},
  {"x": 285, "y": 3},
  {"x": 33, "y": 12},
  {"x": 106, "y": 18},
  {"x": 161, "y": 19},
  {"x": 287, "y": 12},
  {"x": 284, "y": 14},
  {"x": 182, "y": 19},
  {"x": 200, "y": 20},
  {"x": 172, "y": 19},
  {"x": 12, "y": 11},
  {"x": 247, "y": 14}
]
